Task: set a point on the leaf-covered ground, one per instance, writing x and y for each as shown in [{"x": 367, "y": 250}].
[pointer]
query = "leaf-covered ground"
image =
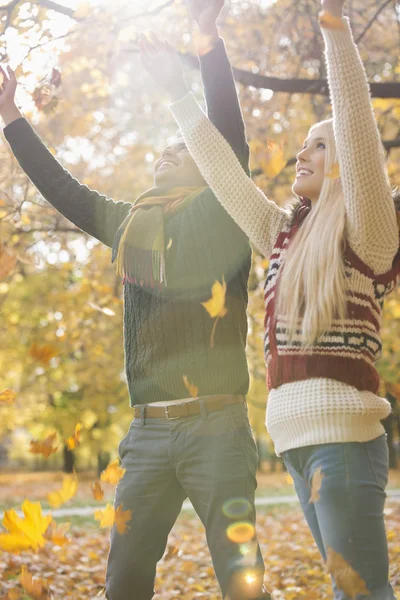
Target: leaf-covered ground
[{"x": 293, "y": 566}]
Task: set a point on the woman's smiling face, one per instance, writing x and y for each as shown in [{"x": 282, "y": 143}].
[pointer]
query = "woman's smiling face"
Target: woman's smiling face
[{"x": 310, "y": 167}]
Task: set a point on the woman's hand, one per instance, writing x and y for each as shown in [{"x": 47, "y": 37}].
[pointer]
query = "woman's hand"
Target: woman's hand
[
  {"x": 334, "y": 7},
  {"x": 163, "y": 64}
]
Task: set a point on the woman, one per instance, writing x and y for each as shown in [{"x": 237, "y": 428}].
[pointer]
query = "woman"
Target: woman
[{"x": 331, "y": 266}]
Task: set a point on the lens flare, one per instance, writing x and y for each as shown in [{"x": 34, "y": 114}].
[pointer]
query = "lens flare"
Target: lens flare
[
  {"x": 237, "y": 508},
  {"x": 241, "y": 533}
]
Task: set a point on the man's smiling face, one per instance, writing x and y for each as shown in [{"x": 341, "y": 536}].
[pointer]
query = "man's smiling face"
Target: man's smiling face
[{"x": 176, "y": 167}]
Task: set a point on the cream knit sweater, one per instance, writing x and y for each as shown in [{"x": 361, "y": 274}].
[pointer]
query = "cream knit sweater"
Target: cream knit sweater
[{"x": 318, "y": 410}]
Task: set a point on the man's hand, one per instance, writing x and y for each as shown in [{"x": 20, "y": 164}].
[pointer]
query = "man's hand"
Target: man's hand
[
  {"x": 334, "y": 7},
  {"x": 8, "y": 109},
  {"x": 205, "y": 13},
  {"x": 163, "y": 64}
]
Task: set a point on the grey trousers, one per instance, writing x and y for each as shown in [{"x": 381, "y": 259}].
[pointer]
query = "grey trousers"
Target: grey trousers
[{"x": 209, "y": 458}]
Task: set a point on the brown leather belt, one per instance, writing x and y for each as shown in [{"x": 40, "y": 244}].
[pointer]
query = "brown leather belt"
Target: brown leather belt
[{"x": 190, "y": 408}]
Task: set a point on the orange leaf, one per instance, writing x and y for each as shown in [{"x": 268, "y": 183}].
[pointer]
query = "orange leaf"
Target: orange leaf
[
  {"x": 67, "y": 491},
  {"x": 75, "y": 439},
  {"x": 14, "y": 595},
  {"x": 43, "y": 354},
  {"x": 27, "y": 532},
  {"x": 35, "y": 587},
  {"x": 316, "y": 485},
  {"x": 97, "y": 490},
  {"x": 191, "y": 388},
  {"x": 45, "y": 446},
  {"x": 347, "y": 579},
  {"x": 273, "y": 160},
  {"x": 56, "y": 533},
  {"x": 7, "y": 396},
  {"x": 7, "y": 262},
  {"x": 106, "y": 516},
  {"x": 122, "y": 517},
  {"x": 113, "y": 473},
  {"x": 329, "y": 21}
]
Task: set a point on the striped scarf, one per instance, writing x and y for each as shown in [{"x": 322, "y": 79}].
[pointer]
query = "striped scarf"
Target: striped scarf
[{"x": 139, "y": 245}]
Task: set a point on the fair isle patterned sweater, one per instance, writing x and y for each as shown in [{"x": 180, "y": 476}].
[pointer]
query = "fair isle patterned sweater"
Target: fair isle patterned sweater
[{"x": 328, "y": 393}]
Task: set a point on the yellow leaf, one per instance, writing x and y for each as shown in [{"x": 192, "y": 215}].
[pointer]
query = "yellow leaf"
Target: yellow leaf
[
  {"x": 43, "y": 354},
  {"x": 35, "y": 587},
  {"x": 346, "y": 578},
  {"x": 106, "y": 516},
  {"x": 113, "y": 473},
  {"x": 14, "y": 595},
  {"x": 122, "y": 517},
  {"x": 316, "y": 485},
  {"x": 7, "y": 396},
  {"x": 171, "y": 552},
  {"x": 27, "y": 532},
  {"x": 97, "y": 490},
  {"x": 67, "y": 491},
  {"x": 192, "y": 389},
  {"x": 215, "y": 306},
  {"x": 74, "y": 440},
  {"x": 45, "y": 446},
  {"x": 334, "y": 173}
]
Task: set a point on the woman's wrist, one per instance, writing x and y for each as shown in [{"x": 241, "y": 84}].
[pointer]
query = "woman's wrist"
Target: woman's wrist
[
  {"x": 10, "y": 113},
  {"x": 178, "y": 90}
]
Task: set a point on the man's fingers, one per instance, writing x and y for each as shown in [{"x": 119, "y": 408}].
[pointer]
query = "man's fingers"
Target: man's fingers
[
  {"x": 147, "y": 45},
  {"x": 4, "y": 76}
]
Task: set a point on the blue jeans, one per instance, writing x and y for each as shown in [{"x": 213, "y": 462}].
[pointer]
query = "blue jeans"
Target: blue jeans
[
  {"x": 348, "y": 517},
  {"x": 211, "y": 459}
]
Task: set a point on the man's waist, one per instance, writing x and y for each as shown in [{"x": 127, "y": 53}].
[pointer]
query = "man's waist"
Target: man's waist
[{"x": 186, "y": 407}]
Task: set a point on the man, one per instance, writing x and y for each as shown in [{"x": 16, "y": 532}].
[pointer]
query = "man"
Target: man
[{"x": 186, "y": 370}]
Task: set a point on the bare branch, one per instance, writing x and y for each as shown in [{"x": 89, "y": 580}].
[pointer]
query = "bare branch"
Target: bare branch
[
  {"x": 390, "y": 89},
  {"x": 60, "y": 8},
  {"x": 372, "y": 21}
]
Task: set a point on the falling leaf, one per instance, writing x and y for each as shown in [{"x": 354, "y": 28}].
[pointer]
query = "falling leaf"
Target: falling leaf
[
  {"x": 169, "y": 244},
  {"x": 215, "y": 306},
  {"x": 56, "y": 533},
  {"x": 105, "y": 311},
  {"x": 346, "y": 578},
  {"x": 329, "y": 21},
  {"x": 27, "y": 532},
  {"x": 191, "y": 388},
  {"x": 273, "y": 160},
  {"x": 122, "y": 517},
  {"x": 106, "y": 516},
  {"x": 73, "y": 441},
  {"x": 55, "y": 78},
  {"x": 67, "y": 491},
  {"x": 43, "y": 354},
  {"x": 97, "y": 490},
  {"x": 34, "y": 586},
  {"x": 45, "y": 447},
  {"x": 171, "y": 552},
  {"x": 14, "y": 595},
  {"x": 7, "y": 396},
  {"x": 113, "y": 473},
  {"x": 316, "y": 485},
  {"x": 334, "y": 173},
  {"x": 7, "y": 262}
]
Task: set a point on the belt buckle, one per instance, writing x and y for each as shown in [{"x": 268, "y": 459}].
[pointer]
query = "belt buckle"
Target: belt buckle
[{"x": 167, "y": 414}]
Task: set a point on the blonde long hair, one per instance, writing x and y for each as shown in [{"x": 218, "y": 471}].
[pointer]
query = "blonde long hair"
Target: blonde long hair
[{"x": 312, "y": 288}]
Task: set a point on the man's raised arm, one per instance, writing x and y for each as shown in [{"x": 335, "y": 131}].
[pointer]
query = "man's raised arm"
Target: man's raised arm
[{"x": 92, "y": 212}]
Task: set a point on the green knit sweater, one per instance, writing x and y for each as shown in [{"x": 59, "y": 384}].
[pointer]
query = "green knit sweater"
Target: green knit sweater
[{"x": 167, "y": 333}]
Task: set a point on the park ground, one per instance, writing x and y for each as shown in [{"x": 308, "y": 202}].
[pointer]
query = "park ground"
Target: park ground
[{"x": 76, "y": 569}]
